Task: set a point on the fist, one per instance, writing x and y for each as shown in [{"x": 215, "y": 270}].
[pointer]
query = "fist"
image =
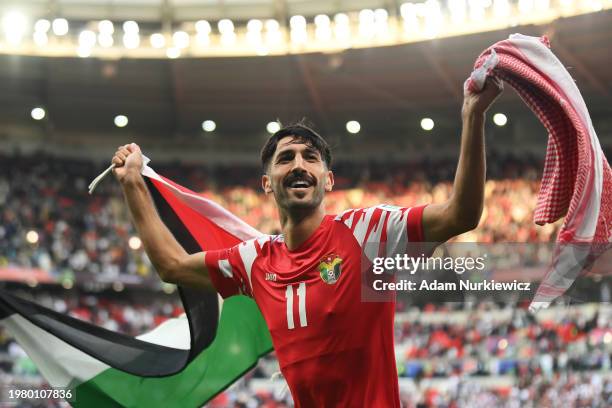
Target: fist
[
  {"x": 127, "y": 159},
  {"x": 479, "y": 102}
]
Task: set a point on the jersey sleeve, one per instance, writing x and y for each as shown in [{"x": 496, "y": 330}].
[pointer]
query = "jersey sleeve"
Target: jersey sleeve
[
  {"x": 230, "y": 269},
  {"x": 385, "y": 230}
]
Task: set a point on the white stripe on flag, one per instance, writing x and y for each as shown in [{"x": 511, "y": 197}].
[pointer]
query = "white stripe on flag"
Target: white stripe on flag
[{"x": 59, "y": 362}]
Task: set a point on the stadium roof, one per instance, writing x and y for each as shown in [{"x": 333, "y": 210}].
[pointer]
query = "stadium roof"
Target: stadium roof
[
  {"x": 386, "y": 88},
  {"x": 188, "y": 10}
]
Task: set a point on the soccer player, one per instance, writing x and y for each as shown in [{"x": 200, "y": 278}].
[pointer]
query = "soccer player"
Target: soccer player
[{"x": 333, "y": 349}]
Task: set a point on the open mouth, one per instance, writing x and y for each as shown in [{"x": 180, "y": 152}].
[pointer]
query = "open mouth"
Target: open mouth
[{"x": 299, "y": 183}]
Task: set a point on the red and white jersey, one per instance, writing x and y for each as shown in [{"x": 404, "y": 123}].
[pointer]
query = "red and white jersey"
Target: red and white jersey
[{"x": 334, "y": 350}]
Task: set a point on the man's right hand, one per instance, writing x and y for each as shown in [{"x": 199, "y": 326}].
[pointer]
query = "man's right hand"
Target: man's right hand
[{"x": 127, "y": 160}]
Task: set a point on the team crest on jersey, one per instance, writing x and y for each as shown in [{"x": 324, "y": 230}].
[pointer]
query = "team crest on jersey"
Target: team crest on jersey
[{"x": 330, "y": 268}]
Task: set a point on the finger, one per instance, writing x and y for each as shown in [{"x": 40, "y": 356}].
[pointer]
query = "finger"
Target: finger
[
  {"x": 117, "y": 161},
  {"x": 134, "y": 147},
  {"x": 124, "y": 153}
]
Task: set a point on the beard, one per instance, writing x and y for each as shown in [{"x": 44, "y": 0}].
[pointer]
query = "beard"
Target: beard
[{"x": 299, "y": 203}]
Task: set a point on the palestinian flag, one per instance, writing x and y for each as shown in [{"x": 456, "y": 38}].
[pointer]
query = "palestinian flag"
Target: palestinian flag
[{"x": 185, "y": 361}]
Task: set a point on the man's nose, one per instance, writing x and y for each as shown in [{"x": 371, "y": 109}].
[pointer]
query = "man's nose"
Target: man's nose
[{"x": 298, "y": 162}]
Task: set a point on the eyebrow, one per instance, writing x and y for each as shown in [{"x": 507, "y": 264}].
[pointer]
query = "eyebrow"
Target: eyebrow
[{"x": 309, "y": 149}]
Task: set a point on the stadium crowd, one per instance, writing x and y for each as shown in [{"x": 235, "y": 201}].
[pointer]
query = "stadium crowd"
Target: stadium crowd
[
  {"x": 75, "y": 233},
  {"x": 553, "y": 363}
]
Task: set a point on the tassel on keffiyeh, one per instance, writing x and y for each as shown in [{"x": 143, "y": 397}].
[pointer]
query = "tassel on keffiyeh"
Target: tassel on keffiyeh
[{"x": 577, "y": 179}]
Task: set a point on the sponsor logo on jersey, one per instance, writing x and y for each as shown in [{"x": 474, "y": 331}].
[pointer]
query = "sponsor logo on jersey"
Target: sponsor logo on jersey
[
  {"x": 270, "y": 276},
  {"x": 330, "y": 268}
]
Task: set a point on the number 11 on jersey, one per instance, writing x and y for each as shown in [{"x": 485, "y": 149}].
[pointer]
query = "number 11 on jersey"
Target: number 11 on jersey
[{"x": 301, "y": 294}]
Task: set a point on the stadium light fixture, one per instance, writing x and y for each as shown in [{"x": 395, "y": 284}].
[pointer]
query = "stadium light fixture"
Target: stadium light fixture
[
  {"x": 409, "y": 13},
  {"x": 121, "y": 121},
  {"x": 342, "y": 28},
  {"x": 60, "y": 26},
  {"x": 500, "y": 119},
  {"x": 525, "y": 6},
  {"x": 157, "y": 40},
  {"x": 352, "y": 126},
  {"x": 366, "y": 23},
  {"x": 135, "y": 243},
  {"x": 131, "y": 26},
  {"x": 38, "y": 113},
  {"x": 323, "y": 30},
  {"x": 173, "y": 52},
  {"x": 542, "y": 5},
  {"x": 433, "y": 18},
  {"x": 209, "y": 125},
  {"x": 273, "y": 127},
  {"x": 106, "y": 27},
  {"x": 32, "y": 237},
  {"x": 202, "y": 27},
  {"x": 225, "y": 26},
  {"x": 501, "y": 8},
  {"x": 477, "y": 10},
  {"x": 427, "y": 124},
  {"x": 87, "y": 39},
  {"x": 14, "y": 24},
  {"x": 299, "y": 34},
  {"x": 253, "y": 34},
  {"x": 596, "y": 5},
  {"x": 273, "y": 33},
  {"x": 203, "y": 30},
  {"x": 381, "y": 22},
  {"x": 457, "y": 9},
  {"x": 180, "y": 39},
  {"x": 254, "y": 25},
  {"x": 131, "y": 40},
  {"x": 297, "y": 22},
  {"x": 42, "y": 25}
]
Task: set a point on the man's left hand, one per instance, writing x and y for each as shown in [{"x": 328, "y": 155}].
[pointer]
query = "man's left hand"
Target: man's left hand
[{"x": 478, "y": 103}]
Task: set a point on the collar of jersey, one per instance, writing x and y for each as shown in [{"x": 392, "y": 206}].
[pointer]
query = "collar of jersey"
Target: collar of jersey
[{"x": 306, "y": 244}]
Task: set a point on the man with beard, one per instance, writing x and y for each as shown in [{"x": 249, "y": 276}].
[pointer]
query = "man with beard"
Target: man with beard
[{"x": 333, "y": 349}]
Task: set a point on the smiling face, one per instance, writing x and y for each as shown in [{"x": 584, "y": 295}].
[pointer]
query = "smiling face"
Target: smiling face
[{"x": 297, "y": 176}]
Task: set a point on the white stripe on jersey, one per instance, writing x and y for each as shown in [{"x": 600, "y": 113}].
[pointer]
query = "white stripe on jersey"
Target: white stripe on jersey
[
  {"x": 248, "y": 253},
  {"x": 392, "y": 218},
  {"x": 225, "y": 268},
  {"x": 397, "y": 232},
  {"x": 362, "y": 225}
]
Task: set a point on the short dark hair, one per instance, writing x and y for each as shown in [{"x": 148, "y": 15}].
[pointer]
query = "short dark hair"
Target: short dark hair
[{"x": 301, "y": 133}]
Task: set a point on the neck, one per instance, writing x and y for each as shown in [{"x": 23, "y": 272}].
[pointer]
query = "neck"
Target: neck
[{"x": 298, "y": 227}]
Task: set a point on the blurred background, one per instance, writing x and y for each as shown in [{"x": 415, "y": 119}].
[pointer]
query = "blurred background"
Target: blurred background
[{"x": 201, "y": 84}]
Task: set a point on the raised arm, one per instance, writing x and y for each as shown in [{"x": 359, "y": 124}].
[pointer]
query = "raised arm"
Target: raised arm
[
  {"x": 462, "y": 211},
  {"x": 172, "y": 263}
]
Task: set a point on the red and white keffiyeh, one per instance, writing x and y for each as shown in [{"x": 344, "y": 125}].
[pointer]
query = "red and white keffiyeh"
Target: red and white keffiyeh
[{"x": 577, "y": 179}]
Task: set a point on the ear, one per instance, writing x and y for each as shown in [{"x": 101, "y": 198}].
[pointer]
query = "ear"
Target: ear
[
  {"x": 266, "y": 184},
  {"x": 329, "y": 181}
]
